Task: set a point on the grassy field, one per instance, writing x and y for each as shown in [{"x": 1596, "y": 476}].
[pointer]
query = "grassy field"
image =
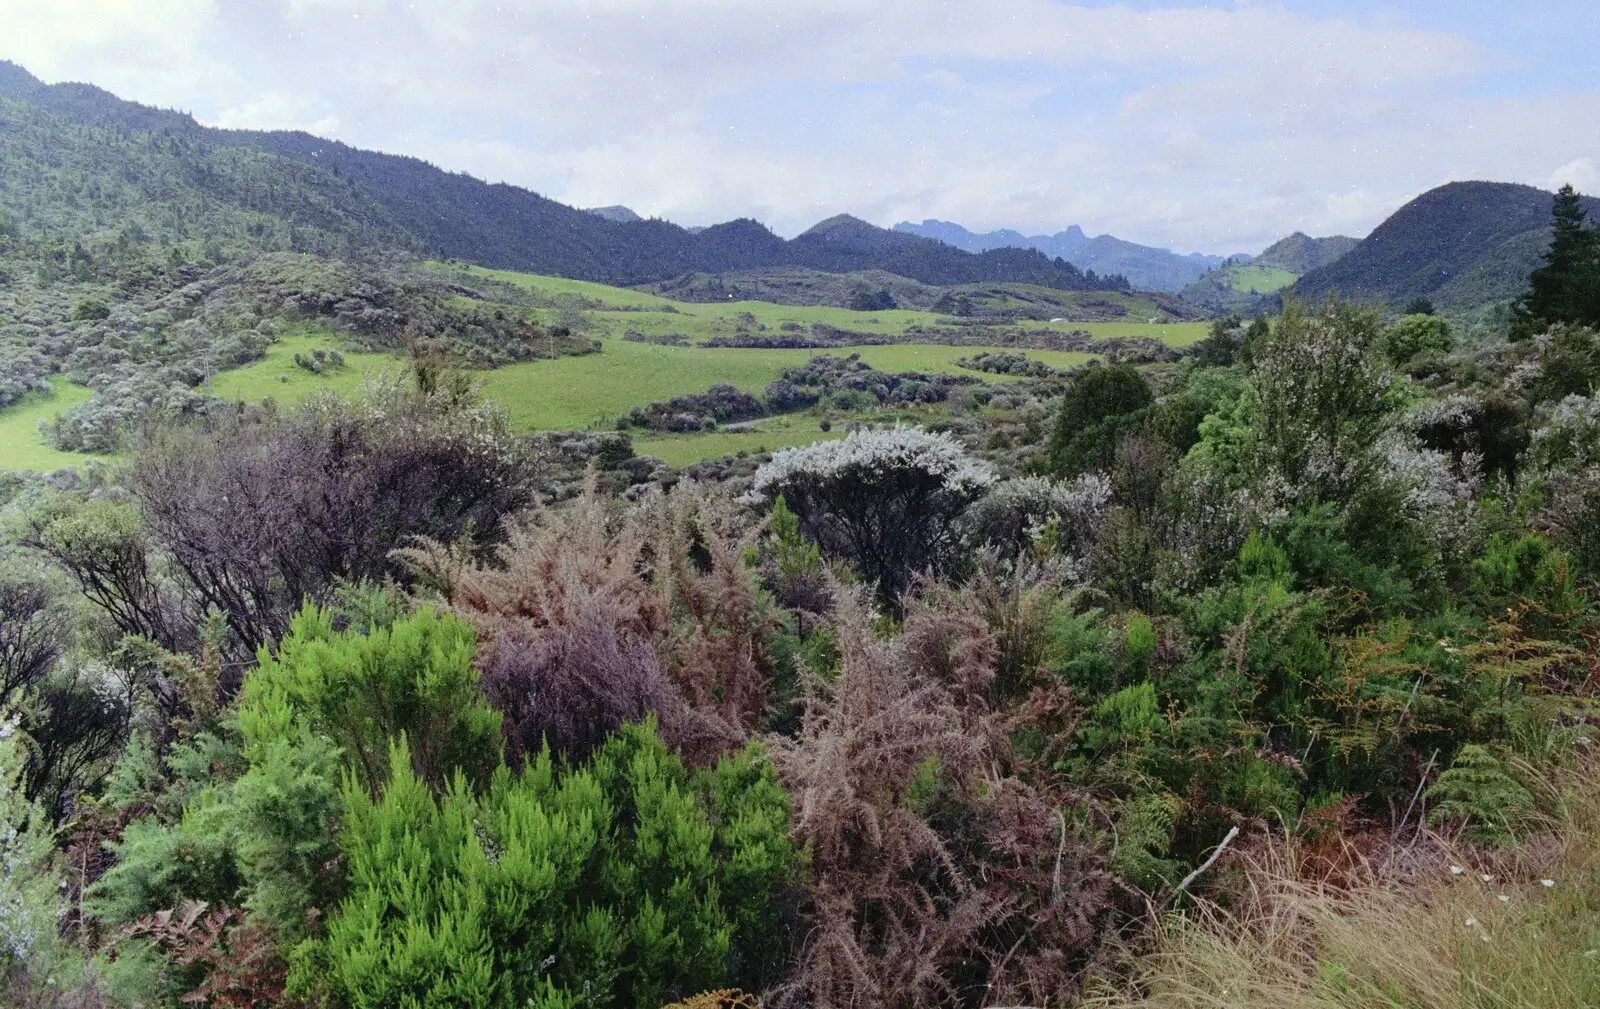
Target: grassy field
[
  {"x": 1260, "y": 279},
  {"x": 620, "y": 310},
  {"x": 20, "y": 444},
  {"x": 572, "y": 392},
  {"x": 576, "y": 392},
  {"x": 276, "y": 376}
]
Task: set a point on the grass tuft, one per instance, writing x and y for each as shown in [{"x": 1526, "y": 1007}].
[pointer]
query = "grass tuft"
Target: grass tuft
[{"x": 1420, "y": 936}]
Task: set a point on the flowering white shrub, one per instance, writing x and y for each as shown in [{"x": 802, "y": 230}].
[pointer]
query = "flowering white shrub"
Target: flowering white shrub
[
  {"x": 1440, "y": 494},
  {"x": 866, "y": 454},
  {"x": 1016, "y": 512},
  {"x": 1569, "y": 436},
  {"x": 887, "y": 501},
  {"x": 1305, "y": 428}
]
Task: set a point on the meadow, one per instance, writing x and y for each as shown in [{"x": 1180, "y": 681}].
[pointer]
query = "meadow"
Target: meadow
[
  {"x": 20, "y": 444},
  {"x": 1260, "y": 279},
  {"x": 591, "y": 391}
]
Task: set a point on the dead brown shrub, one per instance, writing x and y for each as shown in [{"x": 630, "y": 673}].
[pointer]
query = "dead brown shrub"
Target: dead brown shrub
[
  {"x": 936, "y": 881},
  {"x": 596, "y": 614}
]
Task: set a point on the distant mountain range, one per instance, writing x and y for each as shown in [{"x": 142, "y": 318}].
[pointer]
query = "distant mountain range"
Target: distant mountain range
[
  {"x": 1460, "y": 245},
  {"x": 1146, "y": 267},
  {"x": 457, "y": 216}
]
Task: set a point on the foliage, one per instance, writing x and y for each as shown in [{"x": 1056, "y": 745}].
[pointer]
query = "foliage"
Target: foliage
[
  {"x": 1566, "y": 287},
  {"x": 31, "y": 953},
  {"x": 363, "y": 688},
  {"x": 258, "y": 515},
  {"x": 887, "y": 501},
  {"x": 1477, "y": 793},
  {"x": 929, "y": 887},
  {"x": 575, "y": 642},
  {"x": 1316, "y": 403},
  {"x": 606, "y": 883},
  {"x": 1100, "y": 406},
  {"x": 34, "y": 631},
  {"x": 1411, "y": 335}
]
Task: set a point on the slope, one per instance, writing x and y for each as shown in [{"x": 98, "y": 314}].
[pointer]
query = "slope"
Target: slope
[
  {"x": 1299, "y": 254},
  {"x": 457, "y": 216},
  {"x": 1461, "y": 245}
]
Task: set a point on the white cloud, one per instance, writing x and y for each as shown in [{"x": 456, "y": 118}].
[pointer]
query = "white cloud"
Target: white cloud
[
  {"x": 147, "y": 50},
  {"x": 1200, "y": 128},
  {"x": 1583, "y": 174}
]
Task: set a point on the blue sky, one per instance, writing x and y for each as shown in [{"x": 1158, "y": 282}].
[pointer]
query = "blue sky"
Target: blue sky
[{"x": 1200, "y": 126}]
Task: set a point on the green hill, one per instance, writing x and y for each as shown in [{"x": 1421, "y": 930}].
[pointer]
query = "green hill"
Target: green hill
[
  {"x": 1461, "y": 245},
  {"x": 1300, "y": 253},
  {"x": 454, "y": 215}
]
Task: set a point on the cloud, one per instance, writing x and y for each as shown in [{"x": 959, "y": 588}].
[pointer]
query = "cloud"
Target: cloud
[
  {"x": 1583, "y": 174},
  {"x": 150, "y": 50},
  {"x": 1199, "y": 127}
]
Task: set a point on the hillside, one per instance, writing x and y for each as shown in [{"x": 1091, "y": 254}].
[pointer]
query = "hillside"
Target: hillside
[
  {"x": 454, "y": 215},
  {"x": 1299, "y": 254},
  {"x": 1147, "y": 268},
  {"x": 1461, "y": 245},
  {"x": 1253, "y": 286}
]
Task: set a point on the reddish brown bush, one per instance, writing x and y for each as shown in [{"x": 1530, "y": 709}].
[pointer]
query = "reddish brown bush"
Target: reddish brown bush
[
  {"x": 596, "y": 615},
  {"x": 238, "y": 959},
  {"x": 936, "y": 881}
]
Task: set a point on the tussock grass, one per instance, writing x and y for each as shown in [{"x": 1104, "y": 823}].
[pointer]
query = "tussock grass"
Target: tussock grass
[{"x": 1400, "y": 930}]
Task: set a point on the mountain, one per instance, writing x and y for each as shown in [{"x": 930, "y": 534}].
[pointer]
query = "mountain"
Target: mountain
[
  {"x": 1300, "y": 253},
  {"x": 454, "y": 215},
  {"x": 1460, "y": 245},
  {"x": 1146, "y": 268},
  {"x": 617, "y": 213},
  {"x": 1247, "y": 286}
]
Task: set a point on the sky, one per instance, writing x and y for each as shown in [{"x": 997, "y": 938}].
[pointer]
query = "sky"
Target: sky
[{"x": 1214, "y": 127}]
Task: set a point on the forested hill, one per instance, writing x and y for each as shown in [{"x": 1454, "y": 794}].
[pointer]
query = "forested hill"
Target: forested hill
[
  {"x": 1300, "y": 253},
  {"x": 1459, "y": 245},
  {"x": 421, "y": 207}
]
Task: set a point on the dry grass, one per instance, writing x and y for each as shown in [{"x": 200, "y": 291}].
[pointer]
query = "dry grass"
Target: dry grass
[{"x": 1514, "y": 928}]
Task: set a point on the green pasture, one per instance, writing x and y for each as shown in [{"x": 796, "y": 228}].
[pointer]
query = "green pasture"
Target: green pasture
[
  {"x": 555, "y": 287},
  {"x": 1260, "y": 279},
  {"x": 276, "y": 376},
  {"x": 579, "y": 391},
  {"x": 573, "y": 392},
  {"x": 620, "y": 309},
  {"x": 20, "y": 444}
]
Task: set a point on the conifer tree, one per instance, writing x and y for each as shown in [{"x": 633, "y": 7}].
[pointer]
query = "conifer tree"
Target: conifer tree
[{"x": 1567, "y": 287}]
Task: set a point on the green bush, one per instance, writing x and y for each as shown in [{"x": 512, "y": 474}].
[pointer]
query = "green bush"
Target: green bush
[
  {"x": 621, "y": 882},
  {"x": 1101, "y": 405},
  {"x": 1413, "y": 334},
  {"x": 363, "y": 690}
]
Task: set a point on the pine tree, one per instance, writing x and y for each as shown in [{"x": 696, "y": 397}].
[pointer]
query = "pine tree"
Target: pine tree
[{"x": 1567, "y": 287}]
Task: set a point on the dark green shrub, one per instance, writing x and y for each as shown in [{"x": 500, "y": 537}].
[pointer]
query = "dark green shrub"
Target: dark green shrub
[{"x": 1102, "y": 403}]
